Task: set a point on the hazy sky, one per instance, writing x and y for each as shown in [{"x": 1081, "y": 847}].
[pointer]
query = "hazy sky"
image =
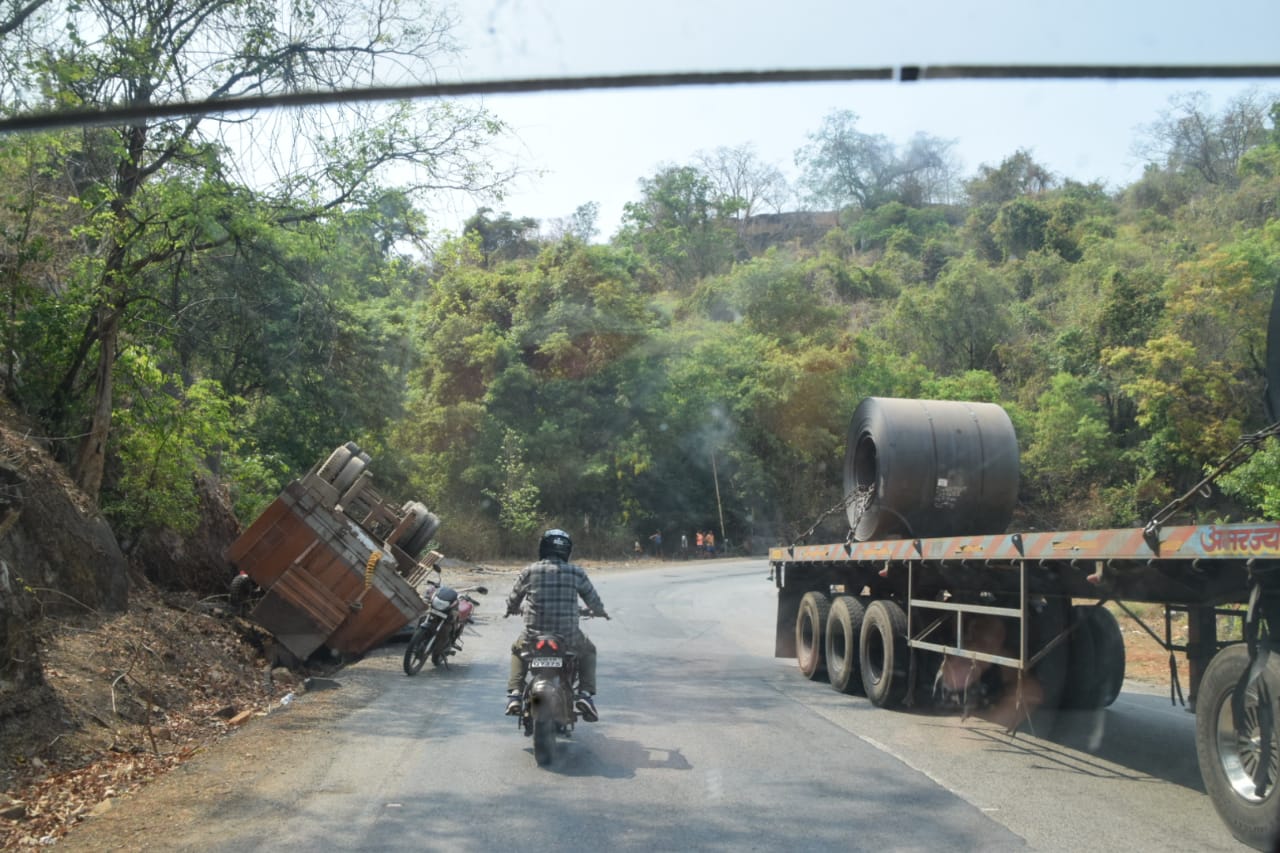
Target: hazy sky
[{"x": 595, "y": 146}]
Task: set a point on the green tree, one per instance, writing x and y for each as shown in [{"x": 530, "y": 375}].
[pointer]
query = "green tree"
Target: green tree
[
  {"x": 147, "y": 231},
  {"x": 681, "y": 224},
  {"x": 1017, "y": 175},
  {"x": 959, "y": 323}
]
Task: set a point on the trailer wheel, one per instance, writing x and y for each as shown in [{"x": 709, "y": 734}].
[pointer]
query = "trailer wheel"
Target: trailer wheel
[
  {"x": 427, "y": 528},
  {"x": 1084, "y": 679},
  {"x": 882, "y": 654},
  {"x": 1095, "y": 673},
  {"x": 419, "y": 533},
  {"x": 1053, "y": 668},
  {"x": 811, "y": 631},
  {"x": 334, "y": 464},
  {"x": 1227, "y": 761},
  {"x": 1108, "y": 649},
  {"x": 844, "y": 631},
  {"x": 352, "y": 470}
]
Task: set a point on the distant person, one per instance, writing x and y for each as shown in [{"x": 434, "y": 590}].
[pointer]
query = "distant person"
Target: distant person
[
  {"x": 699, "y": 542},
  {"x": 656, "y": 539},
  {"x": 710, "y": 539},
  {"x": 684, "y": 546}
]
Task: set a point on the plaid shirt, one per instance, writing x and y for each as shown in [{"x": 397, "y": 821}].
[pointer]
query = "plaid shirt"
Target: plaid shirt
[{"x": 552, "y": 589}]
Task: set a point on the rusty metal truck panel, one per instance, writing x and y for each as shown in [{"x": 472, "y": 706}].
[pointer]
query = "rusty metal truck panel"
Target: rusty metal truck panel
[{"x": 328, "y": 581}]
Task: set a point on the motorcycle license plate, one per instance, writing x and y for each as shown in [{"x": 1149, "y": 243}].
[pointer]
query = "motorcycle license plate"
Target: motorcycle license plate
[{"x": 549, "y": 662}]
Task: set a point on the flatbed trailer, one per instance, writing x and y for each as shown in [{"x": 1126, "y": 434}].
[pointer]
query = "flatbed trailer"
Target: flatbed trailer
[{"x": 1017, "y": 618}]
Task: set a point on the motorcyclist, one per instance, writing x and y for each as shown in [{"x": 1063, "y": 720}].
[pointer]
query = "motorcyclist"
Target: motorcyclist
[{"x": 549, "y": 590}]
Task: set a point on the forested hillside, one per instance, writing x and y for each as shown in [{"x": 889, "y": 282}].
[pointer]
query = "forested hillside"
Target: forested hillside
[{"x": 176, "y": 307}]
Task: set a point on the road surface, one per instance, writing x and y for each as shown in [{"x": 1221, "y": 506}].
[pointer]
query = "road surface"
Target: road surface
[{"x": 706, "y": 742}]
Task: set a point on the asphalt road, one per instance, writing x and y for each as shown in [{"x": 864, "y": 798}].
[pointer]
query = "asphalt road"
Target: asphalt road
[{"x": 706, "y": 742}]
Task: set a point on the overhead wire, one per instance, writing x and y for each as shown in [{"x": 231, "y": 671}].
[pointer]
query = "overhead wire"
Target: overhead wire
[{"x": 125, "y": 113}]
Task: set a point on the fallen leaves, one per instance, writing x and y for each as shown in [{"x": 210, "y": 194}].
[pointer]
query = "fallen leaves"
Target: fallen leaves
[{"x": 134, "y": 695}]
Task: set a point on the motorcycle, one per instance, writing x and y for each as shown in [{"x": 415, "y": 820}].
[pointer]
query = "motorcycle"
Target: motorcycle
[
  {"x": 550, "y": 687},
  {"x": 438, "y": 635}
]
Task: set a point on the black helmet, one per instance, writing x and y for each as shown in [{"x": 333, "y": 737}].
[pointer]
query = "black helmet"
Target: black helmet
[{"x": 555, "y": 544}]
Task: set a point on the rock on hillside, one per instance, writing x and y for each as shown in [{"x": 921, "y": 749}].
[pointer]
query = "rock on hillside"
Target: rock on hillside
[{"x": 57, "y": 554}]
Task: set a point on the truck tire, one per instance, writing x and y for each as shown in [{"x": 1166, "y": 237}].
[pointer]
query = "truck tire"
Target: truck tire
[
  {"x": 352, "y": 470},
  {"x": 883, "y": 653},
  {"x": 1052, "y": 669},
  {"x": 1109, "y": 645},
  {"x": 1097, "y": 659},
  {"x": 420, "y": 533},
  {"x": 844, "y": 630},
  {"x": 811, "y": 632},
  {"x": 334, "y": 464},
  {"x": 418, "y": 512},
  {"x": 1226, "y": 760},
  {"x": 1084, "y": 687},
  {"x": 1107, "y": 653}
]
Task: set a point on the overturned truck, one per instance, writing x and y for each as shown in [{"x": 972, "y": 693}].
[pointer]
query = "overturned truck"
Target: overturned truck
[
  {"x": 338, "y": 565},
  {"x": 928, "y": 599}
]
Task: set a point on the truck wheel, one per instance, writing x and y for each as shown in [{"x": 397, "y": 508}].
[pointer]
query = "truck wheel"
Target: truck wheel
[
  {"x": 1108, "y": 644},
  {"x": 334, "y": 464},
  {"x": 353, "y": 469},
  {"x": 882, "y": 654},
  {"x": 418, "y": 511},
  {"x": 1227, "y": 761},
  {"x": 844, "y": 629},
  {"x": 427, "y": 526},
  {"x": 811, "y": 632},
  {"x": 241, "y": 591},
  {"x": 1095, "y": 672},
  {"x": 1084, "y": 680},
  {"x": 1052, "y": 669}
]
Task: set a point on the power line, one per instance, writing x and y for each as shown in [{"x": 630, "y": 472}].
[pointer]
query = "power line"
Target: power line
[{"x": 900, "y": 74}]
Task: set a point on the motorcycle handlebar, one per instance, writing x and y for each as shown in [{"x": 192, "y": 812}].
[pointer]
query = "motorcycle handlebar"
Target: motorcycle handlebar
[{"x": 582, "y": 611}]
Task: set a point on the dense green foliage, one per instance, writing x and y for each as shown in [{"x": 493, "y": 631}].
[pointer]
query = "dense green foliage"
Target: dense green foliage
[{"x": 694, "y": 372}]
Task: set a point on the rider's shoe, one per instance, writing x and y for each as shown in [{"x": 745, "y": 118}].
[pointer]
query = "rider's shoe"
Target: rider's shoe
[
  {"x": 586, "y": 707},
  {"x": 513, "y": 705}
]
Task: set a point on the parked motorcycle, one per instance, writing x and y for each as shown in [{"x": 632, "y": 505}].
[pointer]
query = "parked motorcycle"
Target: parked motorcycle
[
  {"x": 550, "y": 686},
  {"x": 439, "y": 632}
]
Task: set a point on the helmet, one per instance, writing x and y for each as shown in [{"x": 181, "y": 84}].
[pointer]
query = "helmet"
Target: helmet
[{"x": 555, "y": 544}]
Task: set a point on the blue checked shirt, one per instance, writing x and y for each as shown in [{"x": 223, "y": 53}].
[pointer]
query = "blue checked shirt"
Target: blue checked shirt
[{"x": 550, "y": 590}]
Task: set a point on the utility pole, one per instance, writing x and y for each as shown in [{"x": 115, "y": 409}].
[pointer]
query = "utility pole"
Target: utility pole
[{"x": 715, "y": 476}]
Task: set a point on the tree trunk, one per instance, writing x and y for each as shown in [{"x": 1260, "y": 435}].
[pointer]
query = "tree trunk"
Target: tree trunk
[{"x": 93, "y": 449}]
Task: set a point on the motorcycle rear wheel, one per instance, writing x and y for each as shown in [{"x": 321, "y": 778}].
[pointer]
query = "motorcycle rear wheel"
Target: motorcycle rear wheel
[
  {"x": 544, "y": 741},
  {"x": 419, "y": 648}
]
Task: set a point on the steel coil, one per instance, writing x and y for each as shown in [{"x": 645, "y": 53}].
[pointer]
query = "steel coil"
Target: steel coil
[{"x": 925, "y": 468}]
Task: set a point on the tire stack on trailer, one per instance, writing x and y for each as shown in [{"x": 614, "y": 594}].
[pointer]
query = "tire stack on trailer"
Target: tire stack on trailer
[{"x": 414, "y": 526}]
